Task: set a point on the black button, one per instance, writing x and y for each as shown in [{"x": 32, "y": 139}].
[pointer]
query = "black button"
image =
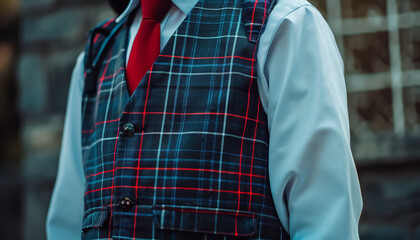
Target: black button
[
  {"x": 126, "y": 203},
  {"x": 128, "y": 129}
]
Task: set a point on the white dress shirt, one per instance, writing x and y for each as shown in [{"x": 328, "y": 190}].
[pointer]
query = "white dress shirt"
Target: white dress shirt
[{"x": 312, "y": 174}]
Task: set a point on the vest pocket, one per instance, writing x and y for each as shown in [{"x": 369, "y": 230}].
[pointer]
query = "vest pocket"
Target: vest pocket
[
  {"x": 205, "y": 220},
  {"x": 95, "y": 220}
]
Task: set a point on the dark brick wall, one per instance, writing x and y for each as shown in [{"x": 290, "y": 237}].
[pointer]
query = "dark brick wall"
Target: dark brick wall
[
  {"x": 10, "y": 148},
  {"x": 52, "y": 34},
  {"x": 391, "y": 195}
]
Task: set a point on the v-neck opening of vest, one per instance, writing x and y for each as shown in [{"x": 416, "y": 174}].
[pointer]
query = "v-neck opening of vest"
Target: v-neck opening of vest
[{"x": 164, "y": 49}]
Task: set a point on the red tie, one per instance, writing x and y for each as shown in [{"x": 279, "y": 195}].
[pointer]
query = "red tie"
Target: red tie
[{"x": 146, "y": 45}]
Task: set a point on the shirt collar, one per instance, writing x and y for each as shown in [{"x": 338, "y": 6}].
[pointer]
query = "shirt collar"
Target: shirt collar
[{"x": 184, "y": 5}]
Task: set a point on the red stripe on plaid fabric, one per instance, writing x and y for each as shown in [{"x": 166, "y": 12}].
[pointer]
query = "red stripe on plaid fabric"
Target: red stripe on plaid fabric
[
  {"x": 193, "y": 169},
  {"x": 177, "y": 188},
  {"x": 205, "y": 211},
  {"x": 247, "y": 110},
  {"x": 104, "y": 26},
  {"x": 141, "y": 145},
  {"x": 198, "y": 113},
  {"x": 115, "y": 74},
  {"x": 265, "y": 12},
  {"x": 242, "y": 147},
  {"x": 96, "y": 174},
  {"x": 113, "y": 177},
  {"x": 96, "y": 38},
  {"x": 252, "y": 20},
  {"x": 96, "y": 124},
  {"x": 252, "y": 156},
  {"x": 182, "y": 114},
  {"x": 256, "y": 125},
  {"x": 204, "y": 58},
  {"x": 175, "y": 169}
]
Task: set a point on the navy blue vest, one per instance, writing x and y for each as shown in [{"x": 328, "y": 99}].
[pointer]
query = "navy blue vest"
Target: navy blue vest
[{"x": 186, "y": 156}]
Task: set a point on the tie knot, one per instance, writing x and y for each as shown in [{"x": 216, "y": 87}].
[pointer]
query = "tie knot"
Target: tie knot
[{"x": 155, "y": 9}]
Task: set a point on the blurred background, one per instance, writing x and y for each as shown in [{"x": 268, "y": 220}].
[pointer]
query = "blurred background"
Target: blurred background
[{"x": 380, "y": 44}]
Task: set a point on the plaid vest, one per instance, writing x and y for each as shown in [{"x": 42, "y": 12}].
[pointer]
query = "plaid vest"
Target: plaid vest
[{"x": 186, "y": 156}]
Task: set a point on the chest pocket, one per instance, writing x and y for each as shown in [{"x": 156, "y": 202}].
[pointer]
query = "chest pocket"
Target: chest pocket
[{"x": 205, "y": 220}]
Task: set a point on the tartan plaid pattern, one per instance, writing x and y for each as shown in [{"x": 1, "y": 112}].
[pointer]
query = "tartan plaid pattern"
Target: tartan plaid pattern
[
  {"x": 255, "y": 13},
  {"x": 196, "y": 166}
]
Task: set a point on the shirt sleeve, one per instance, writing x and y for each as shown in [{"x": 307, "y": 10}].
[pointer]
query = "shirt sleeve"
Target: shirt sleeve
[
  {"x": 312, "y": 173},
  {"x": 65, "y": 213}
]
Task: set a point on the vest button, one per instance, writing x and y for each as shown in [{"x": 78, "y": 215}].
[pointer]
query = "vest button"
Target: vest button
[
  {"x": 126, "y": 203},
  {"x": 128, "y": 129}
]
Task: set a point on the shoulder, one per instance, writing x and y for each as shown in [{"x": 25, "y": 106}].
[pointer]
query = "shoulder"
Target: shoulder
[
  {"x": 286, "y": 9},
  {"x": 295, "y": 17},
  {"x": 289, "y": 6}
]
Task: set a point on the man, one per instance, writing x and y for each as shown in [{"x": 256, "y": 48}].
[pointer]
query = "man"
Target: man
[{"x": 212, "y": 120}]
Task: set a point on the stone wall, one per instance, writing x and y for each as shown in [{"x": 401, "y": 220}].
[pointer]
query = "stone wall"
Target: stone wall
[
  {"x": 52, "y": 34},
  {"x": 10, "y": 148},
  {"x": 379, "y": 41},
  {"x": 380, "y": 44}
]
